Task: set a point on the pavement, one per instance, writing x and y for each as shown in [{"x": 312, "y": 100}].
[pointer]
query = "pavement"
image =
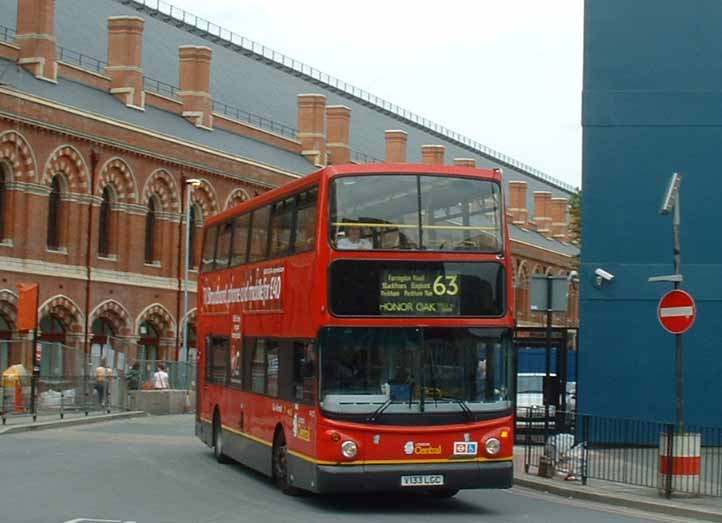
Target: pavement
[
  {"x": 645, "y": 499},
  {"x": 601, "y": 493},
  {"x": 24, "y": 423}
]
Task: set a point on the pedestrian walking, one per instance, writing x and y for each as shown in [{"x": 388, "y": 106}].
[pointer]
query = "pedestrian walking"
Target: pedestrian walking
[
  {"x": 160, "y": 378},
  {"x": 102, "y": 373}
]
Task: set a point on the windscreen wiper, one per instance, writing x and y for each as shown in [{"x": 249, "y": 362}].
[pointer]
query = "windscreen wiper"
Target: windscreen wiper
[
  {"x": 380, "y": 410},
  {"x": 461, "y": 403}
]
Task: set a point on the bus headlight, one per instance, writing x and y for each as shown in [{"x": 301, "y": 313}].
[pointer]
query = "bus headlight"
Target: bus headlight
[
  {"x": 349, "y": 449},
  {"x": 492, "y": 446}
]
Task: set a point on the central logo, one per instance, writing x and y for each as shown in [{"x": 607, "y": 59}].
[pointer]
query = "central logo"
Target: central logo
[{"x": 412, "y": 448}]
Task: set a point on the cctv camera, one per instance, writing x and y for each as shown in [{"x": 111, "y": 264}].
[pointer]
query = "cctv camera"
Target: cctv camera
[
  {"x": 601, "y": 273},
  {"x": 573, "y": 276}
]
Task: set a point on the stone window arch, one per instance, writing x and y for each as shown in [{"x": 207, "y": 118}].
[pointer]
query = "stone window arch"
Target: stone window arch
[{"x": 236, "y": 197}]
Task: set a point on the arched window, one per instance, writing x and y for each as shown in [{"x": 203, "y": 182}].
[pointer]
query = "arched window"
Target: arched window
[
  {"x": 52, "y": 339},
  {"x": 54, "y": 214},
  {"x": 100, "y": 343},
  {"x": 192, "y": 224},
  {"x": 5, "y": 335},
  {"x": 105, "y": 227},
  {"x": 148, "y": 342},
  {"x": 3, "y": 199},
  {"x": 150, "y": 231}
]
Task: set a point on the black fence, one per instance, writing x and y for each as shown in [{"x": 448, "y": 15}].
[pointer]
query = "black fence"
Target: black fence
[{"x": 628, "y": 451}]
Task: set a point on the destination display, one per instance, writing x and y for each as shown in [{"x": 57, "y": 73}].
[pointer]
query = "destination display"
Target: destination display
[
  {"x": 419, "y": 293},
  {"x": 406, "y": 288}
]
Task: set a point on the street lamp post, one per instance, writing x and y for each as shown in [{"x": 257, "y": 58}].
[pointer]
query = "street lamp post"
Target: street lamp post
[{"x": 191, "y": 183}]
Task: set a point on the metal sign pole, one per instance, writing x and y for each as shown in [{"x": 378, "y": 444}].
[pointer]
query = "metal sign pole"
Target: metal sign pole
[{"x": 679, "y": 353}]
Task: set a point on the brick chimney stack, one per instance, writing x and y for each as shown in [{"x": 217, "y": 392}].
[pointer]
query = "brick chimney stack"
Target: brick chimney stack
[
  {"x": 433, "y": 154},
  {"x": 195, "y": 84},
  {"x": 396, "y": 146},
  {"x": 338, "y": 122},
  {"x": 559, "y": 218},
  {"x": 125, "y": 59},
  {"x": 542, "y": 212},
  {"x": 464, "y": 162},
  {"x": 312, "y": 127},
  {"x": 517, "y": 204},
  {"x": 35, "y": 36}
]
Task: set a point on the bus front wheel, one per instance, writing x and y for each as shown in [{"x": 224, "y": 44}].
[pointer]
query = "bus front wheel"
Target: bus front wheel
[
  {"x": 218, "y": 440},
  {"x": 280, "y": 465}
]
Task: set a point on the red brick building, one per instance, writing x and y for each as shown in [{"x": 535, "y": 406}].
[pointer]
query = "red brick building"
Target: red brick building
[{"x": 95, "y": 156}]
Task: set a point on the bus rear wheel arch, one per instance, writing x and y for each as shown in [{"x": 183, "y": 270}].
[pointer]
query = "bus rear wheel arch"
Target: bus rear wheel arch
[{"x": 279, "y": 464}]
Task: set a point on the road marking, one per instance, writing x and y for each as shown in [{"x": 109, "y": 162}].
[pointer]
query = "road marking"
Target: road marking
[{"x": 90, "y": 520}]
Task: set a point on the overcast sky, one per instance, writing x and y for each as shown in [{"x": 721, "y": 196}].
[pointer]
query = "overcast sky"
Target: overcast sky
[{"x": 507, "y": 73}]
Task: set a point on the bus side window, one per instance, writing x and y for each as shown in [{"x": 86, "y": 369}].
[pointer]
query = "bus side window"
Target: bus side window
[
  {"x": 236, "y": 364},
  {"x": 223, "y": 247},
  {"x": 281, "y": 217},
  {"x": 239, "y": 252},
  {"x": 305, "y": 233},
  {"x": 304, "y": 372},
  {"x": 209, "y": 249},
  {"x": 217, "y": 351},
  {"x": 259, "y": 234},
  {"x": 258, "y": 367},
  {"x": 272, "y": 367}
]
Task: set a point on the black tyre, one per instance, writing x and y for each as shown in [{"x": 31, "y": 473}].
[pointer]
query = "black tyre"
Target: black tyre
[
  {"x": 280, "y": 466},
  {"x": 218, "y": 441}
]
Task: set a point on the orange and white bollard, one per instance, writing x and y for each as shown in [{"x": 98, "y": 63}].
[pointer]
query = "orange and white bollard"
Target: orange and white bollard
[
  {"x": 19, "y": 400},
  {"x": 684, "y": 465}
]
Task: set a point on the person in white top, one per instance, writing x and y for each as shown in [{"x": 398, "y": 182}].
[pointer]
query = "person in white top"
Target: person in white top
[
  {"x": 160, "y": 378},
  {"x": 353, "y": 240}
]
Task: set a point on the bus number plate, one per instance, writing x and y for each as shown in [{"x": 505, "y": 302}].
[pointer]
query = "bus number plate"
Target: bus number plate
[{"x": 426, "y": 480}]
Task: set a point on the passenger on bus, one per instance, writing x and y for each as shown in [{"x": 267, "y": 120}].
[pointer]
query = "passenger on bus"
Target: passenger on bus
[{"x": 353, "y": 240}]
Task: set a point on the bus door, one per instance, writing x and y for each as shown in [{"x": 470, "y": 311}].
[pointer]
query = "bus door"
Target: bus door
[{"x": 215, "y": 335}]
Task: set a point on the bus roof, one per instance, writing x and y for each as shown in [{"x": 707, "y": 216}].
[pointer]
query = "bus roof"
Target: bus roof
[{"x": 330, "y": 172}]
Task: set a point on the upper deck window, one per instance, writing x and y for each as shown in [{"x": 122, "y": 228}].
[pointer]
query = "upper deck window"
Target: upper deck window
[{"x": 437, "y": 213}]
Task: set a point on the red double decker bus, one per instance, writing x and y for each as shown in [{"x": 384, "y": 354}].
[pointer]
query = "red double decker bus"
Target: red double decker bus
[{"x": 355, "y": 331}]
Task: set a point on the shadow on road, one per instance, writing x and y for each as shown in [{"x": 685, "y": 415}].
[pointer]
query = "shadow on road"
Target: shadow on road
[{"x": 392, "y": 503}]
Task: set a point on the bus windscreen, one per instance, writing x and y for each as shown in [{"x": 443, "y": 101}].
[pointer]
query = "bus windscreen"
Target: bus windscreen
[{"x": 411, "y": 212}]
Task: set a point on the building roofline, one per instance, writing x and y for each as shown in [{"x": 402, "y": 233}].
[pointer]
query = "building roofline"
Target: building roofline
[{"x": 205, "y": 29}]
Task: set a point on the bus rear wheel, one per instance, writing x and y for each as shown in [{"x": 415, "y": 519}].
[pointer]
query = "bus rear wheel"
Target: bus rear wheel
[
  {"x": 218, "y": 441},
  {"x": 280, "y": 465}
]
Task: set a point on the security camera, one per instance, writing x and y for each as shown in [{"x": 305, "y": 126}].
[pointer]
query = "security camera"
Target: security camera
[
  {"x": 573, "y": 276},
  {"x": 608, "y": 276}
]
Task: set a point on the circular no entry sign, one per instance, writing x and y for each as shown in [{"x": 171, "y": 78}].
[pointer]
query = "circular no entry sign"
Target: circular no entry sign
[{"x": 677, "y": 311}]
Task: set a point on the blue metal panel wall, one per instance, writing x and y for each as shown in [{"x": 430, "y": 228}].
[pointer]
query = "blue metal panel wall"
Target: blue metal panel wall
[{"x": 652, "y": 105}]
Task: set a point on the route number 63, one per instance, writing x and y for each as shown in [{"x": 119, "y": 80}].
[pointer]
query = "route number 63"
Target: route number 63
[{"x": 446, "y": 285}]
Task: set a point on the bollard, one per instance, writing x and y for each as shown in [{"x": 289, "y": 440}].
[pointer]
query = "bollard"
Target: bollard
[{"x": 680, "y": 463}]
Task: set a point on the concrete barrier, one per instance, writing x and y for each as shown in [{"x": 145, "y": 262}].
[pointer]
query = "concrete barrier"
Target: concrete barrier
[{"x": 167, "y": 401}]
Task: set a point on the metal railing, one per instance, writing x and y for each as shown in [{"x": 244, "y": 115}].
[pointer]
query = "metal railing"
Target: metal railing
[
  {"x": 7, "y": 34},
  {"x": 81, "y": 60},
  {"x": 254, "y": 119},
  {"x": 161, "y": 88},
  {"x": 223, "y": 36},
  {"x": 360, "y": 157},
  {"x": 629, "y": 451}
]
